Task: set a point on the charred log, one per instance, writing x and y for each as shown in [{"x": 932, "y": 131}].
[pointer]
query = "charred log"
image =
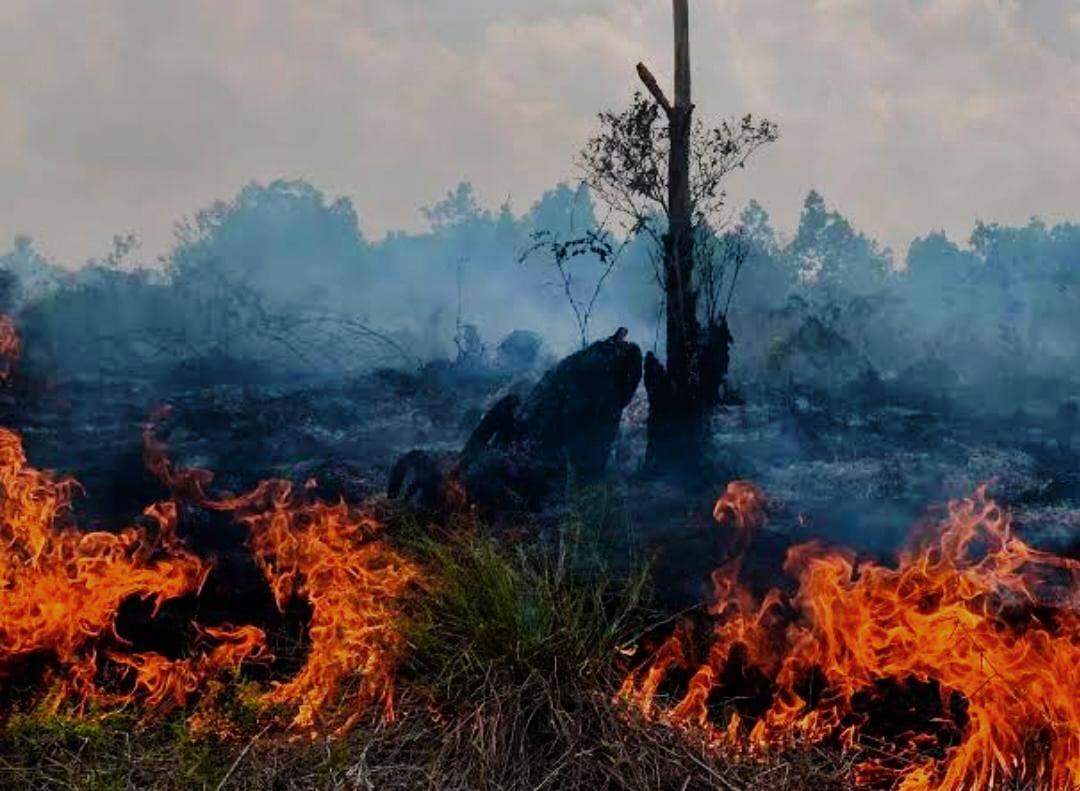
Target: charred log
[
  {"x": 498, "y": 427},
  {"x": 417, "y": 478},
  {"x": 520, "y": 449},
  {"x": 572, "y": 415}
]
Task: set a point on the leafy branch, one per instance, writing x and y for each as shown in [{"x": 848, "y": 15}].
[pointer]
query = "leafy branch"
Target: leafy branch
[{"x": 595, "y": 242}]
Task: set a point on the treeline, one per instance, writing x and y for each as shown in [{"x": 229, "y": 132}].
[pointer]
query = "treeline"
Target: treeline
[
  {"x": 280, "y": 281},
  {"x": 995, "y": 317}
]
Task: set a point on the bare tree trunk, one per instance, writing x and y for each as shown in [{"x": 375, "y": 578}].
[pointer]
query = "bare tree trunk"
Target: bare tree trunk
[
  {"x": 677, "y": 406},
  {"x": 679, "y": 250}
]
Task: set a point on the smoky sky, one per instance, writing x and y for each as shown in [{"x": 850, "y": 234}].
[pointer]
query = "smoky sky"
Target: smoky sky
[{"x": 125, "y": 116}]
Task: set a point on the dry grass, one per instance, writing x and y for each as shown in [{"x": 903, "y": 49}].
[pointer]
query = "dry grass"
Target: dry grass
[
  {"x": 508, "y": 686},
  {"x": 512, "y": 739}
]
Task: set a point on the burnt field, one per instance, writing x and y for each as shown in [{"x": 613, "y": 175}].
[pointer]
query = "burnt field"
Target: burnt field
[
  {"x": 624, "y": 488},
  {"x": 858, "y": 469},
  {"x": 858, "y": 472}
]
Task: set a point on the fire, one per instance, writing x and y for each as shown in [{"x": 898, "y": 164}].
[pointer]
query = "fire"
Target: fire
[
  {"x": 972, "y": 615},
  {"x": 331, "y": 556},
  {"x": 62, "y": 589},
  {"x": 972, "y": 612},
  {"x": 10, "y": 347}
]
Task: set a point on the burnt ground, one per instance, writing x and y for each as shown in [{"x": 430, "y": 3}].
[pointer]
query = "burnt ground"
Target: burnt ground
[{"x": 854, "y": 471}]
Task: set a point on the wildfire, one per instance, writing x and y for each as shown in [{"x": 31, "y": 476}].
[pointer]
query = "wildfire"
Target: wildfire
[
  {"x": 331, "y": 556},
  {"x": 62, "y": 590},
  {"x": 10, "y": 347},
  {"x": 965, "y": 655},
  {"x": 973, "y": 613}
]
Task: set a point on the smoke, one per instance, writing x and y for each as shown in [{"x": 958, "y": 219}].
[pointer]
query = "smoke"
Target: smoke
[
  {"x": 284, "y": 281},
  {"x": 283, "y": 278}
]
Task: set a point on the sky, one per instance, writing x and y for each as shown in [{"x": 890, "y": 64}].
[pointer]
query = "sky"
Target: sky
[{"x": 126, "y": 116}]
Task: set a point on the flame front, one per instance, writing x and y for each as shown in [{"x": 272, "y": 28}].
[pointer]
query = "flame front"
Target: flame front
[
  {"x": 974, "y": 612},
  {"x": 329, "y": 556},
  {"x": 332, "y": 557},
  {"x": 62, "y": 590}
]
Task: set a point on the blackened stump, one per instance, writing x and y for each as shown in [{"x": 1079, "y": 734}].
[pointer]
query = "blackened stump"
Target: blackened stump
[{"x": 519, "y": 449}]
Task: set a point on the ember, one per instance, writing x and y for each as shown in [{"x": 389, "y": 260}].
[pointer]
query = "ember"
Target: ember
[
  {"x": 986, "y": 620},
  {"x": 10, "y": 347}
]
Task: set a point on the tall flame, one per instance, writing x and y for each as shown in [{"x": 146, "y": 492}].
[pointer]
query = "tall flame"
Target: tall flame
[
  {"x": 62, "y": 590},
  {"x": 975, "y": 612},
  {"x": 331, "y": 556}
]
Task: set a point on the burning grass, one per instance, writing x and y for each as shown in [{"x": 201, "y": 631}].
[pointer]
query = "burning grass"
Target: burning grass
[
  {"x": 508, "y": 685},
  {"x": 508, "y": 653},
  {"x": 449, "y": 659},
  {"x": 63, "y": 591},
  {"x": 956, "y": 669}
]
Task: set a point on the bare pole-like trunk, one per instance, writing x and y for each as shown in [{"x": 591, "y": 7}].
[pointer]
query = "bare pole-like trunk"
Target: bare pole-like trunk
[
  {"x": 679, "y": 252},
  {"x": 677, "y": 406}
]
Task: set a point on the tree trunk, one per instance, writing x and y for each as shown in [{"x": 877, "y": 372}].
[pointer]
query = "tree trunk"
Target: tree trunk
[
  {"x": 678, "y": 245},
  {"x": 677, "y": 402}
]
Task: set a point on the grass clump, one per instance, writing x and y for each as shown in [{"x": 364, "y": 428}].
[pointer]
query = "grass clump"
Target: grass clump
[
  {"x": 520, "y": 613},
  {"x": 514, "y": 614}
]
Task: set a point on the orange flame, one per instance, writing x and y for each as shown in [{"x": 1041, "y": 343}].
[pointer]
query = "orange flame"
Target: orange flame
[
  {"x": 10, "y": 347},
  {"x": 989, "y": 621},
  {"x": 61, "y": 592},
  {"x": 330, "y": 555}
]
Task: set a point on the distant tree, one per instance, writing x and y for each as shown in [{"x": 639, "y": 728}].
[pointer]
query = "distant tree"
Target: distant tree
[
  {"x": 564, "y": 211},
  {"x": 938, "y": 282},
  {"x": 458, "y": 207},
  {"x": 834, "y": 259},
  {"x": 278, "y": 268},
  {"x": 766, "y": 278},
  {"x": 36, "y": 276},
  {"x": 1026, "y": 284},
  {"x": 284, "y": 239}
]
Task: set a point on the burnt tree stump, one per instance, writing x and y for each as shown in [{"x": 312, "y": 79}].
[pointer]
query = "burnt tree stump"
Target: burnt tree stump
[{"x": 520, "y": 448}]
